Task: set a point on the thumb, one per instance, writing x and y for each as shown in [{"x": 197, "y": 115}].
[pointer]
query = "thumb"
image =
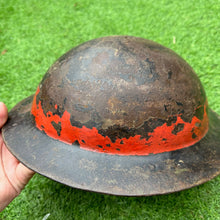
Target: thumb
[{"x": 3, "y": 114}]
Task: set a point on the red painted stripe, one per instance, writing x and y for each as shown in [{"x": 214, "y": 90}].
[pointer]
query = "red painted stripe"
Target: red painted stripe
[{"x": 161, "y": 139}]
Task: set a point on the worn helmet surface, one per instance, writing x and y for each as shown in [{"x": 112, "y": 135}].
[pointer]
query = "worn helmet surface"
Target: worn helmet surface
[{"x": 118, "y": 115}]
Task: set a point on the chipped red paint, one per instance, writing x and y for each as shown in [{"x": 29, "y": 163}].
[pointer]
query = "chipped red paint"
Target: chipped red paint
[{"x": 161, "y": 139}]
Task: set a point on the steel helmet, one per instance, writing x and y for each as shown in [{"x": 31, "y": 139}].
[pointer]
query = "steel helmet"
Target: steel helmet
[{"x": 119, "y": 115}]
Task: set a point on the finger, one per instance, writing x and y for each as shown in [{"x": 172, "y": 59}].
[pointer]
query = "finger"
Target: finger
[
  {"x": 9, "y": 161},
  {"x": 3, "y": 114},
  {"x": 17, "y": 174},
  {"x": 23, "y": 175}
]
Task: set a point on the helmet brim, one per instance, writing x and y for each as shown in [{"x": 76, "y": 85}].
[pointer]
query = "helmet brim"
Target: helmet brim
[{"x": 112, "y": 174}]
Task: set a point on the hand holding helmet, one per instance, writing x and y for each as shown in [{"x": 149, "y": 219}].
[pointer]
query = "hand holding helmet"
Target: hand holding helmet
[{"x": 13, "y": 174}]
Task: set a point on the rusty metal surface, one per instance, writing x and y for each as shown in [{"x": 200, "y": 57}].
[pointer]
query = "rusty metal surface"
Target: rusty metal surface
[
  {"x": 106, "y": 82},
  {"x": 104, "y": 99}
]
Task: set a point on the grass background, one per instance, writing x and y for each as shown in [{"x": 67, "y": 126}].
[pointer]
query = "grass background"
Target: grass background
[{"x": 34, "y": 33}]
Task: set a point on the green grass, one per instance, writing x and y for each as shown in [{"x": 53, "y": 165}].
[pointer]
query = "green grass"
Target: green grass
[{"x": 34, "y": 33}]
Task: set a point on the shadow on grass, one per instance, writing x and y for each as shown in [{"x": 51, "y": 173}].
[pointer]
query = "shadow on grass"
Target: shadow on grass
[{"x": 43, "y": 196}]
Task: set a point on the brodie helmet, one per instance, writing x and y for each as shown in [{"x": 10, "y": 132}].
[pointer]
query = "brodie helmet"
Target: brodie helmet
[{"x": 118, "y": 115}]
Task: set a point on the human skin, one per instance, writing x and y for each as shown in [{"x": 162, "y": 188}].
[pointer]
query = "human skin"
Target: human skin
[{"x": 13, "y": 174}]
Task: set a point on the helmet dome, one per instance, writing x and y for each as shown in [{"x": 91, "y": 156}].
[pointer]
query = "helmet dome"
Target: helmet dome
[{"x": 122, "y": 95}]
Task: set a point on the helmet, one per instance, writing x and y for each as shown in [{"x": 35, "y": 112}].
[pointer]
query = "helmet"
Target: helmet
[{"x": 119, "y": 115}]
